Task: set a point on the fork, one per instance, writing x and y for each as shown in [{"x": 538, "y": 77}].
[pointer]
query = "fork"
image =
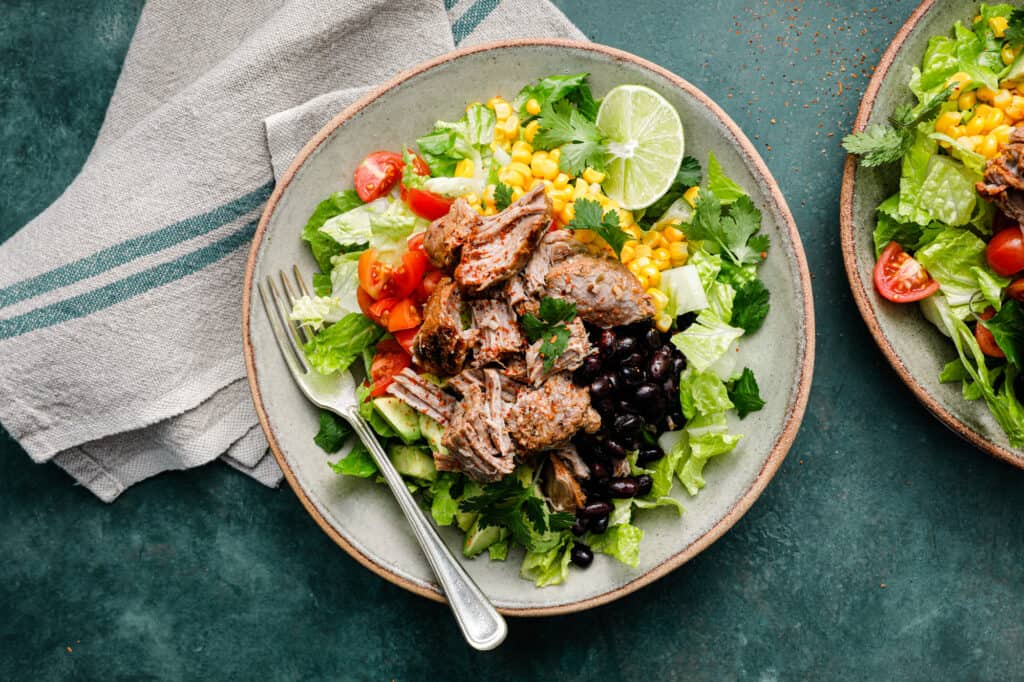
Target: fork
[{"x": 480, "y": 623}]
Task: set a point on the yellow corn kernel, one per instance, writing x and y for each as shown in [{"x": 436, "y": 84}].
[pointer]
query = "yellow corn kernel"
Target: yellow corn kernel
[
  {"x": 491, "y": 209},
  {"x": 557, "y": 205},
  {"x": 502, "y": 110},
  {"x": 644, "y": 251},
  {"x": 593, "y": 176},
  {"x": 1007, "y": 54},
  {"x": 1002, "y": 134},
  {"x": 661, "y": 253},
  {"x": 596, "y": 189},
  {"x": 1002, "y": 98},
  {"x": 643, "y": 280},
  {"x": 533, "y": 182},
  {"x": 975, "y": 126},
  {"x": 580, "y": 189},
  {"x": 585, "y": 236},
  {"x": 568, "y": 213},
  {"x": 663, "y": 323},
  {"x": 543, "y": 167},
  {"x": 512, "y": 178},
  {"x": 946, "y": 122},
  {"x": 672, "y": 234},
  {"x": 532, "y": 107},
  {"x": 625, "y": 217},
  {"x": 652, "y": 274},
  {"x": 959, "y": 79},
  {"x": 531, "y": 130},
  {"x": 521, "y": 156},
  {"x": 957, "y": 132},
  {"x": 510, "y": 126},
  {"x": 994, "y": 119},
  {"x": 555, "y": 155},
  {"x": 472, "y": 198},
  {"x": 658, "y": 297},
  {"x": 520, "y": 168},
  {"x": 988, "y": 147},
  {"x": 633, "y": 231},
  {"x": 565, "y": 193},
  {"x": 638, "y": 263},
  {"x": 677, "y": 253},
  {"x": 495, "y": 101},
  {"x": 998, "y": 26},
  {"x": 966, "y": 100},
  {"x": 464, "y": 169},
  {"x": 691, "y": 194},
  {"x": 985, "y": 94},
  {"x": 522, "y": 146},
  {"x": 652, "y": 238},
  {"x": 561, "y": 180},
  {"x": 627, "y": 254}
]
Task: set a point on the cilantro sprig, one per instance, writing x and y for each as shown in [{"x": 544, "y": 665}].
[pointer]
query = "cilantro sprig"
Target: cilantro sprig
[
  {"x": 745, "y": 394},
  {"x": 512, "y": 505},
  {"x": 1015, "y": 27},
  {"x": 502, "y": 196},
  {"x": 582, "y": 144},
  {"x": 750, "y": 306},
  {"x": 879, "y": 144},
  {"x": 732, "y": 233},
  {"x": 588, "y": 216},
  {"x": 550, "y": 325}
]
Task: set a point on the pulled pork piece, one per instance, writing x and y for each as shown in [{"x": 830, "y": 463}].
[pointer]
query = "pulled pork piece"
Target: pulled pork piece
[
  {"x": 547, "y": 417},
  {"x": 517, "y": 296},
  {"x": 475, "y": 377},
  {"x": 620, "y": 468},
  {"x": 554, "y": 247},
  {"x": 422, "y": 396},
  {"x": 446, "y": 235},
  {"x": 476, "y": 437},
  {"x": 503, "y": 243},
  {"x": 572, "y": 357},
  {"x": 446, "y": 462},
  {"x": 604, "y": 291},
  {"x": 441, "y": 344},
  {"x": 561, "y": 488},
  {"x": 571, "y": 458},
  {"x": 498, "y": 331},
  {"x": 1004, "y": 178}
]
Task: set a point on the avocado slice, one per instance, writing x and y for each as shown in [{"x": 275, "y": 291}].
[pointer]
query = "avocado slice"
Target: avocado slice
[
  {"x": 399, "y": 416},
  {"x": 478, "y": 539},
  {"x": 413, "y": 462},
  {"x": 432, "y": 431}
]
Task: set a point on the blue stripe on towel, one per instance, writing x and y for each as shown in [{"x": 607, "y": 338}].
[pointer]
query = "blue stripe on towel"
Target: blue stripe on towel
[{"x": 472, "y": 18}]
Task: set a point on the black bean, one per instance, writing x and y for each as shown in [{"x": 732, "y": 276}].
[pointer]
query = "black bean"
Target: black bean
[
  {"x": 581, "y": 555},
  {"x": 629, "y": 441},
  {"x": 644, "y": 483},
  {"x": 627, "y": 406},
  {"x": 685, "y": 320},
  {"x": 632, "y": 360},
  {"x": 625, "y": 345},
  {"x": 594, "y": 510},
  {"x": 678, "y": 365},
  {"x": 590, "y": 368},
  {"x": 613, "y": 449},
  {"x": 625, "y": 423},
  {"x": 603, "y": 386},
  {"x": 660, "y": 365},
  {"x": 599, "y": 525},
  {"x": 648, "y": 454},
  {"x": 606, "y": 343},
  {"x": 631, "y": 376},
  {"x": 607, "y": 408},
  {"x": 579, "y": 527},
  {"x": 651, "y": 338},
  {"x": 598, "y": 471},
  {"x": 622, "y": 487},
  {"x": 671, "y": 389},
  {"x": 645, "y": 393}
]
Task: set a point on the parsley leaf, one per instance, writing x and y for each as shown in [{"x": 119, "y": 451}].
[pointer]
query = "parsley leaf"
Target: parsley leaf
[
  {"x": 582, "y": 144},
  {"x": 878, "y": 144},
  {"x": 729, "y": 233},
  {"x": 588, "y": 217},
  {"x": 502, "y": 196},
  {"x": 745, "y": 394},
  {"x": 1015, "y": 30},
  {"x": 550, "y": 327},
  {"x": 750, "y": 306},
  {"x": 512, "y": 505},
  {"x": 333, "y": 432}
]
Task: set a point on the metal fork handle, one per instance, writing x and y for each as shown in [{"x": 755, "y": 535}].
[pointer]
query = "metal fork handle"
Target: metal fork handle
[{"x": 481, "y": 624}]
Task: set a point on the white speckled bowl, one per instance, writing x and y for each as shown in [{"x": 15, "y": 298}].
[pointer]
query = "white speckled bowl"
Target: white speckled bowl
[
  {"x": 912, "y": 345},
  {"x": 361, "y": 516}
]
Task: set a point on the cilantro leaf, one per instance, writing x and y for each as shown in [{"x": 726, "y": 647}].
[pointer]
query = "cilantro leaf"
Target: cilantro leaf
[
  {"x": 905, "y": 116},
  {"x": 512, "y": 505},
  {"x": 333, "y": 432},
  {"x": 745, "y": 394},
  {"x": 357, "y": 463},
  {"x": 550, "y": 327},
  {"x": 689, "y": 173},
  {"x": 582, "y": 144},
  {"x": 750, "y": 306},
  {"x": 1015, "y": 30},
  {"x": 588, "y": 216},
  {"x": 1007, "y": 328},
  {"x": 878, "y": 144},
  {"x": 502, "y": 196},
  {"x": 743, "y": 221},
  {"x": 727, "y": 233}
]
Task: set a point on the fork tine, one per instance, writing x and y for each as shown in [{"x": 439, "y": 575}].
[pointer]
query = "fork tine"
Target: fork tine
[
  {"x": 294, "y": 339},
  {"x": 303, "y": 335},
  {"x": 296, "y": 363},
  {"x": 300, "y": 280}
]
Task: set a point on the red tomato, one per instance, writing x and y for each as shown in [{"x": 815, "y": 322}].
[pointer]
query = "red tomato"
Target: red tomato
[
  {"x": 380, "y": 311},
  {"x": 385, "y": 276},
  {"x": 415, "y": 242},
  {"x": 427, "y": 204},
  {"x": 389, "y": 360},
  {"x": 377, "y": 174},
  {"x": 901, "y": 279},
  {"x": 1005, "y": 252},
  {"x": 404, "y": 315},
  {"x": 986, "y": 341},
  {"x": 426, "y": 287},
  {"x": 405, "y": 338}
]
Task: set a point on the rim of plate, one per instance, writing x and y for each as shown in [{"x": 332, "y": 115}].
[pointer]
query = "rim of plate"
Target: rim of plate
[
  {"x": 848, "y": 239},
  {"x": 799, "y": 397}
]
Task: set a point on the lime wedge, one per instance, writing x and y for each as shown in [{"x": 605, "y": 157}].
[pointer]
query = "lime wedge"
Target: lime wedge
[{"x": 645, "y": 145}]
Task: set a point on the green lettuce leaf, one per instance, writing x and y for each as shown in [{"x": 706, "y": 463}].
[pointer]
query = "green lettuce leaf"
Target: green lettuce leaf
[
  {"x": 468, "y": 138},
  {"x": 706, "y": 341},
  {"x": 953, "y": 259},
  {"x": 725, "y": 189},
  {"x": 358, "y": 462},
  {"x": 442, "y": 506},
  {"x": 550, "y": 567},
  {"x": 708, "y": 266},
  {"x": 947, "y": 194},
  {"x": 909, "y": 235},
  {"x": 351, "y": 230},
  {"x": 621, "y": 542},
  {"x": 337, "y": 346},
  {"x": 912, "y": 176},
  {"x": 702, "y": 393},
  {"x": 683, "y": 287},
  {"x": 322, "y": 246},
  {"x": 721, "y": 298},
  {"x": 706, "y": 437}
]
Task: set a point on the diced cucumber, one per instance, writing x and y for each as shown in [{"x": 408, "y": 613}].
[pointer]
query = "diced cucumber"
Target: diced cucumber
[
  {"x": 432, "y": 431},
  {"x": 413, "y": 462},
  {"x": 478, "y": 539},
  {"x": 464, "y": 520},
  {"x": 399, "y": 416}
]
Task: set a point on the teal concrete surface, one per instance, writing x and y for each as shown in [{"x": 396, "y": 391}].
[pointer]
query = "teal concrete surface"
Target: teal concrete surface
[{"x": 884, "y": 548}]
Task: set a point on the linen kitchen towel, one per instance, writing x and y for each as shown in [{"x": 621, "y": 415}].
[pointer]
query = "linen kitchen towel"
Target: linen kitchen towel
[{"x": 120, "y": 338}]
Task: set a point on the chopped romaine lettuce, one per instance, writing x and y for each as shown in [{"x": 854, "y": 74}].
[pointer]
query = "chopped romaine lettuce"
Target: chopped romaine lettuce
[
  {"x": 953, "y": 259},
  {"x": 454, "y": 187},
  {"x": 337, "y": 346},
  {"x": 621, "y": 542},
  {"x": 707, "y": 436},
  {"x": 322, "y": 246},
  {"x": 352, "y": 228},
  {"x": 550, "y": 567},
  {"x": 702, "y": 393},
  {"x": 706, "y": 341},
  {"x": 314, "y": 311},
  {"x": 684, "y": 289}
]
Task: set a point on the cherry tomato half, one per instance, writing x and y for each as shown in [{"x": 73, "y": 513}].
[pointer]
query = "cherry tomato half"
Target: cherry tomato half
[
  {"x": 388, "y": 276},
  {"x": 427, "y": 286},
  {"x": 404, "y": 315},
  {"x": 901, "y": 279},
  {"x": 405, "y": 338},
  {"x": 1016, "y": 290},
  {"x": 1005, "y": 252},
  {"x": 986, "y": 341},
  {"x": 377, "y": 174},
  {"x": 389, "y": 360},
  {"x": 427, "y": 204}
]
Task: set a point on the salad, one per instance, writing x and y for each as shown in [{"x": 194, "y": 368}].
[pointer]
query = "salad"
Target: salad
[
  {"x": 950, "y": 238},
  {"x": 548, "y": 302}
]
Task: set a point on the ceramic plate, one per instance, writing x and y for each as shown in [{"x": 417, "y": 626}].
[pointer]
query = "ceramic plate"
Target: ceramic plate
[
  {"x": 913, "y": 346},
  {"x": 362, "y": 517}
]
